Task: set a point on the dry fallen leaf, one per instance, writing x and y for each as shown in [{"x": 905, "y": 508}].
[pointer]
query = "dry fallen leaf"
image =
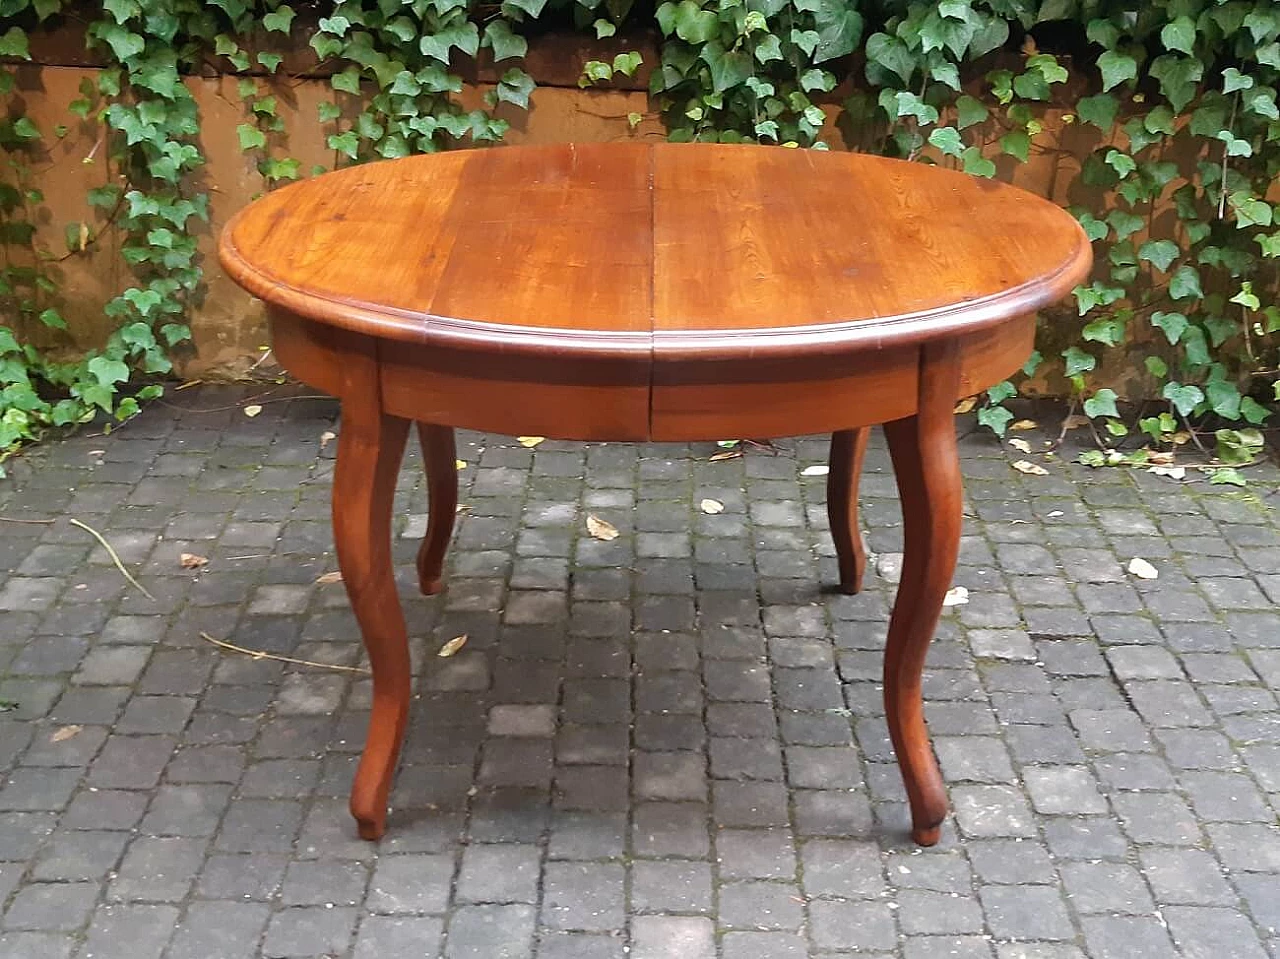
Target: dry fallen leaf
[
  {"x": 252, "y": 410},
  {"x": 1177, "y": 439},
  {"x": 1019, "y": 425},
  {"x": 327, "y": 578},
  {"x": 956, "y": 596},
  {"x": 1173, "y": 472},
  {"x": 1055, "y": 513},
  {"x": 1022, "y": 446},
  {"x": 965, "y": 405},
  {"x": 192, "y": 561},
  {"x": 711, "y": 506},
  {"x": 1074, "y": 422},
  {"x": 530, "y": 442},
  {"x": 725, "y": 455},
  {"x": 460, "y": 464},
  {"x": 327, "y": 437},
  {"x": 461, "y": 508},
  {"x": 821, "y": 470},
  {"x": 452, "y": 646},
  {"x": 600, "y": 529},
  {"x": 63, "y": 733},
  {"x": 1164, "y": 458},
  {"x": 1030, "y": 468},
  {"x": 1140, "y": 568}
]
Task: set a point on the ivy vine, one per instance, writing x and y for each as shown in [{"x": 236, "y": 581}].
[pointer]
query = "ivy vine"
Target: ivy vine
[{"x": 1168, "y": 107}]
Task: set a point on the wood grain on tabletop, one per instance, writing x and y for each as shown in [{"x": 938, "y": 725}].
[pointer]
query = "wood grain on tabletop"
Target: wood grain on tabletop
[{"x": 669, "y": 249}]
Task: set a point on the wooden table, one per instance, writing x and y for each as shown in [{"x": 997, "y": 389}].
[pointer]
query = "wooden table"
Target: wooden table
[{"x": 651, "y": 292}]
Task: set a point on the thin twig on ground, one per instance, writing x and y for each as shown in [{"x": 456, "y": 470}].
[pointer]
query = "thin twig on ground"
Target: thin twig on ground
[
  {"x": 115, "y": 557},
  {"x": 27, "y": 522},
  {"x": 259, "y": 654}
]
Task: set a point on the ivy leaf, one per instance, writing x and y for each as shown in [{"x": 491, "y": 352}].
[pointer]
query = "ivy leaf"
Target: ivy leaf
[
  {"x": 947, "y": 139},
  {"x": 1184, "y": 398},
  {"x": 348, "y": 144},
  {"x": 1108, "y": 330},
  {"x": 769, "y": 48},
  {"x": 271, "y": 61},
  {"x": 626, "y": 63},
  {"x": 1122, "y": 163},
  {"x": 348, "y": 81},
  {"x": 1100, "y": 110},
  {"x": 1263, "y": 103},
  {"x": 946, "y": 72},
  {"x": 280, "y": 19},
  {"x": 975, "y": 164},
  {"x": 1116, "y": 68},
  {"x": 505, "y": 44},
  {"x": 728, "y": 69},
  {"x": 1078, "y": 361},
  {"x": 328, "y": 111},
  {"x": 1160, "y": 253},
  {"x": 108, "y": 372},
  {"x": 1102, "y": 403},
  {"x": 1224, "y": 398},
  {"x": 995, "y": 418},
  {"x": 1016, "y": 144},
  {"x": 1253, "y": 411},
  {"x": 1261, "y": 25},
  {"x": 693, "y": 24},
  {"x": 1125, "y": 223},
  {"x": 14, "y": 43},
  {"x": 1180, "y": 35},
  {"x": 124, "y": 44},
  {"x": 532, "y": 7},
  {"x": 970, "y": 111},
  {"x": 515, "y": 87},
  {"x": 891, "y": 54},
  {"x": 1236, "y": 147},
  {"x": 1178, "y": 78},
  {"x": 1233, "y": 80},
  {"x": 1250, "y": 211},
  {"x": 816, "y": 79},
  {"x": 839, "y": 27},
  {"x": 1173, "y": 325},
  {"x": 806, "y": 40},
  {"x": 1185, "y": 283},
  {"x": 251, "y": 138}
]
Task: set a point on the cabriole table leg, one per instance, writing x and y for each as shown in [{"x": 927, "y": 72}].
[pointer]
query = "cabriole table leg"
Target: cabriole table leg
[
  {"x": 370, "y": 447},
  {"x": 927, "y": 465},
  {"x": 440, "y": 455},
  {"x": 848, "y": 447}
]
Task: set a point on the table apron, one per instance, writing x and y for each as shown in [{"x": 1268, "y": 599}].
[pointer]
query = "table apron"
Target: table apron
[{"x": 639, "y": 398}]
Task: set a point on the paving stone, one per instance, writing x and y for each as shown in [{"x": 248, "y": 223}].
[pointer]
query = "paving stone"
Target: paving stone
[
  {"x": 228, "y": 930},
  {"x": 672, "y": 937},
  {"x": 583, "y": 896},
  {"x": 309, "y": 931},
  {"x": 129, "y": 932},
  {"x": 852, "y": 925},
  {"x": 664, "y": 886},
  {"x": 1025, "y": 912}
]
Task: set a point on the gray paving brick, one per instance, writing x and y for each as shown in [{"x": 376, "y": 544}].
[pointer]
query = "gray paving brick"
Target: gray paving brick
[{"x": 491, "y": 932}]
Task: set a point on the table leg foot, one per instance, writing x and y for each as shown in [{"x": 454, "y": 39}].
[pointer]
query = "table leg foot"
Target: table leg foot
[
  {"x": 439, "y": 452},
  {"x": 370, "y": 448},
  {"x": 926, "y": 835},
  {"x": 927, "y": 465},
  {"x": 848, "y": 447}
]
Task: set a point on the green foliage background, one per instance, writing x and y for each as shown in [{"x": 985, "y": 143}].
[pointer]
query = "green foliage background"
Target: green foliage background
[{"x": 1177, "y": 97}]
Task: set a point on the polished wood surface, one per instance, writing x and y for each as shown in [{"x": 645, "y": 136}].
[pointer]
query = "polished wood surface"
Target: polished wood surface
[
  {"x": 848, "y": 449},
  {"x": 674, "y": 249},
  {"x": 652, "y": 292}
]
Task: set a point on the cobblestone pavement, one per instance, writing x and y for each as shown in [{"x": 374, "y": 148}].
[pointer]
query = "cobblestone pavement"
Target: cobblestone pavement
[{"x": 618, "y": 763}]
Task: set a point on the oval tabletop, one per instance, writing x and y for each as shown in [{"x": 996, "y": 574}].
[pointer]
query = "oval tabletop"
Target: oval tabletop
[{"x": 675, "y": 250}]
